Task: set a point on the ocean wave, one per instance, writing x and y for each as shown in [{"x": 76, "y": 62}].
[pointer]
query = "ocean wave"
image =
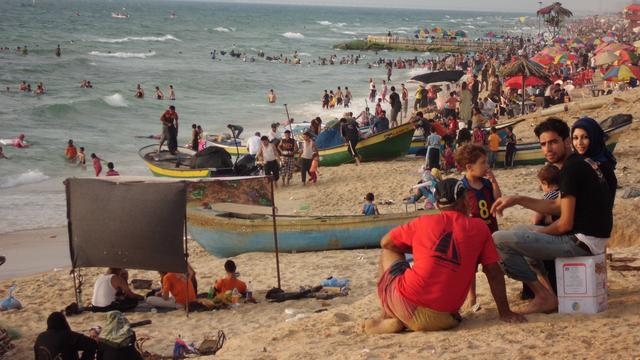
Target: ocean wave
[
  {"x": 115, "y": 100},
  {"x": 123, "y": 55},
  {"x": 293, "y": 35},
  {"x": 222, "y": 29},
  {"x": 29, "y": 177},
  {"x": 304, "y": 54},
  {"x": 340, "y": 24},
  {"x": 324, "y": 22},
  {"x": 139, "y": 38},
  {"x": 350, "y": 32}
]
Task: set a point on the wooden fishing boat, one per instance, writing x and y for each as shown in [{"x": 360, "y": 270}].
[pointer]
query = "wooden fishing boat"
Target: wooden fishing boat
[
  {"x": 178, "y": 165},
  {"x": 530, "y": 153},
  {"x": 385, "y": 145},
  {"x": 418, "y": 147},
  {"x": 226, "y": 234}
]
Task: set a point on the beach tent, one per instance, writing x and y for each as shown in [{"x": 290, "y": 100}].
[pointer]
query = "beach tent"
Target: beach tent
[{"x": 141, "y": 222}]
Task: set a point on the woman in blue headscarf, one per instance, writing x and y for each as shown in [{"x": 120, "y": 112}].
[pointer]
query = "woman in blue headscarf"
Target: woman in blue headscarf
[{"x": 588, "y": 140}]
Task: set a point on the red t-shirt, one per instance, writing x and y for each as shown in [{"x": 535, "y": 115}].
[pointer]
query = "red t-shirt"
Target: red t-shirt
[{"x": 447, "y": 248}]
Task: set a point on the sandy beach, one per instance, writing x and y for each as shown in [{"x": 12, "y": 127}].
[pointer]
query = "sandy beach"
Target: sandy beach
[{"x": 266, "y": 331}]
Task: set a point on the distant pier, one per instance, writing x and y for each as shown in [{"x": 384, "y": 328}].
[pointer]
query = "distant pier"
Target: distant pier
[{"x": 452, "y": 45}]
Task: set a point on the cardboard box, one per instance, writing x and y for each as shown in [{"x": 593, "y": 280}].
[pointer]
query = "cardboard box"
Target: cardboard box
[{"x": 582, "y": 284}]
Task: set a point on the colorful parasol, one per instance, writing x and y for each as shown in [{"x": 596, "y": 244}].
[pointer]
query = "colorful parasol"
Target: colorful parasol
[
  {"x": 626, "y": 57},
  {"x": 606, "y": 58},
  {"x": 622, "y": 73}
]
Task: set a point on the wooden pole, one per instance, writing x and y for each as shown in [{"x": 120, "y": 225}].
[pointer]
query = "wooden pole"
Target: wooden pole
[
  {"x": 524, "y": 79},
  {"x": 275, "y": 231},
  {"x": 186, "y": 260}
]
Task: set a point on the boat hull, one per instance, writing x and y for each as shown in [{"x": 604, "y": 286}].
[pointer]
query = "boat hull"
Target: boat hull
[
  {"x": 530, "y": 153},
  {"x": 385, "y": 145},
  {"x": 226, "y": 237},
  {"x": 178, "y": 173}
]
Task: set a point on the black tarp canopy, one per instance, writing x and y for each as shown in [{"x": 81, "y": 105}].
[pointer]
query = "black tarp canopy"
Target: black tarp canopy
[{"x": 439, "y": 76}]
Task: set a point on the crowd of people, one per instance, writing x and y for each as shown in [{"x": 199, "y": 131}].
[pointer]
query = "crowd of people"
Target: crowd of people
[{"x": 74, "y": 155}]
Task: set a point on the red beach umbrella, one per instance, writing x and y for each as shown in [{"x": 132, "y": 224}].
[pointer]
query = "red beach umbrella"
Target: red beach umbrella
[{"x": 515, "y": 82}]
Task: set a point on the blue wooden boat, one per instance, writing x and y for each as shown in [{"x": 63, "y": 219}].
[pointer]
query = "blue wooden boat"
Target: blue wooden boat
[{"x": 226, "y": 234}]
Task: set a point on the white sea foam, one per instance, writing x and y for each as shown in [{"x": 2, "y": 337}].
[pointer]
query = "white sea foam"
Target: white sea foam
[
  {"x": 304, "y": 54},
  {"x": 222, "y": 29},
  {"x": 139, "y": 38},
  {"x": 123, "y": 55},
  {"x": 340, "y": 24},
  {"x": 29, "y": 177},
  {"x": 293, "y": 35},
  {"x": 350, "y": 32},
  {"x": 115, "y": 100},
  {"x": 324, "y": 22}
]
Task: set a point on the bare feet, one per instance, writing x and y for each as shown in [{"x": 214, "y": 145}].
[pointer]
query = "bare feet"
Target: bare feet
[
  {"x": 382, "y": 326},
  {"x": 541, "y": 304}
]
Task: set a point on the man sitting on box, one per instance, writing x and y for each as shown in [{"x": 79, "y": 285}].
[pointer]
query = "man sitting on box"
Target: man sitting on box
[{"x": 584, "y": 225}]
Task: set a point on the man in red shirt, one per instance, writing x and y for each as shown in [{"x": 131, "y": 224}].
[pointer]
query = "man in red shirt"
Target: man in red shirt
[{"x": 446, "y": 249}]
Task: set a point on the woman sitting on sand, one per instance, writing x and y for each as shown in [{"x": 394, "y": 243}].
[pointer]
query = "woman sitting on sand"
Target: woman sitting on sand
[{"x": 59, "y": 342}]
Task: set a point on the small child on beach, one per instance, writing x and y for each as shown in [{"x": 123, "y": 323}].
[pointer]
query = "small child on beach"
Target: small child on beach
[
  {"x": 493, "y": 142},
  {"x": 448, "y": 157},
  {"x": 313, "y": 170},
  {"x": 549, "y": 177},
  {"x": 97, "y": 165},
  {"x": 230, "y": 281},
  {"x": 370, "y": 207},
  {"x": 482, "y": 191}
]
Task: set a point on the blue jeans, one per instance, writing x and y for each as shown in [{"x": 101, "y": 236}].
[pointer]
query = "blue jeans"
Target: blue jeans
[
  {"x": 492, "y": 158},
  {"x": 522, "y": 242}
]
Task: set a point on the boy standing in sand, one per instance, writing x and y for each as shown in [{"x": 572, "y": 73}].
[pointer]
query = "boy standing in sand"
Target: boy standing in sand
[
  {"x": 447, "y": 248},
  {"x": 482, "y": 190},
  {"x": 494, "y": 145},
  {"x": 369, "y": 208}
]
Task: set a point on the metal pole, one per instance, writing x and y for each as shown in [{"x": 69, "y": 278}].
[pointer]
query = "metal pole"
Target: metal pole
[{"x": 275, "y": 231}]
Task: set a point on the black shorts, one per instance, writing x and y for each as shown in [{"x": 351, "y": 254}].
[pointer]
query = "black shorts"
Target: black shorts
[
  {"x": 351, "y": 147},
  {"x": 272, "y": 168}
]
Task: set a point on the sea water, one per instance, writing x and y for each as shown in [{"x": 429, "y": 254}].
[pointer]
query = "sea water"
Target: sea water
[{"x": 153, "y": 49}]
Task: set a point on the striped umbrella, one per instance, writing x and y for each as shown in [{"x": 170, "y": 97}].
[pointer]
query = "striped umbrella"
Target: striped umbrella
[
  {"x": 543, "y": 59},
  {"x": 622, "y": 73},
  {"x": 565, "y": 58},
  {"x": 626, "y": 56},
  {"x": 606, "y": 58}
]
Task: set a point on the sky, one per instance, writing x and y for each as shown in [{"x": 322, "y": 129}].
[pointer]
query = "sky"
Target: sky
[{"x": 525, "y": 6}]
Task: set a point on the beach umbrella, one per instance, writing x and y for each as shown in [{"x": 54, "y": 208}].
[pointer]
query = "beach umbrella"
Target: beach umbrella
[
  {"x": 576, "y": 43},
  {"x": 622, "y": 73},
  {"x": 543, "y": 59},
  {"x": 436, "y": 30},
  {"x": 559, "y": 40},
  {"x": 490, "y": 35},
  {"x": 606, "y": 58},
  {"x": 445, "y": 33},
  {"x": 461, "y": 34},
  {"x": 525, "y": 68},
  {"x": 565, "y": 58},
  {"x": 626, "y": 56},
  {"x": 515, "y": 82},
  {"x": 439, "y": 76}
]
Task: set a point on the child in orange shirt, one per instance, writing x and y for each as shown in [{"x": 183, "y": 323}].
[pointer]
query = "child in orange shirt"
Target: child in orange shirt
[{"x": 230, "y": 281}]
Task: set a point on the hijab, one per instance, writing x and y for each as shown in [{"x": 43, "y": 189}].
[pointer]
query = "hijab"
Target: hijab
[
  {"x": 57, "y": 322},
  {"x": 597, "y": 148}
]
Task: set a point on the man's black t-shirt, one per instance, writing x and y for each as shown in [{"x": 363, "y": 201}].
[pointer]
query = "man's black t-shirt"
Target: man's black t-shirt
[
  {"x": 593, "y": 213},
  {"x": 394, "y": 99},
  {"x": 349, "y": 130}
]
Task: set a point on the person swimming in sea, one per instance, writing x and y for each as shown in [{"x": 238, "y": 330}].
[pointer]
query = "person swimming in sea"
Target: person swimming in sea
[
  {"x": 58, "y": 52},
  {"x": 16, "y": 142},
  {"x": 139, "y": 92},
  {"x": 159, "y": 93}
]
